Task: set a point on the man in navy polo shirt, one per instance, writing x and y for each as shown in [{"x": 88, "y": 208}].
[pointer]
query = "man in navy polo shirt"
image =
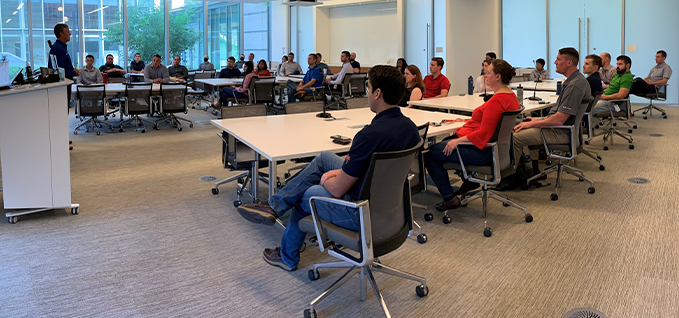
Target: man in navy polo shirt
[
  {"x": 59, "y": 49},
  {"x": 312, "y": 78},
  {"x": 331, "y": 176}
]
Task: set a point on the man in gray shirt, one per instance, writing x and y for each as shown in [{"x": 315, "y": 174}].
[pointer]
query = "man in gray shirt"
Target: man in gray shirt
[
  {"x": 178, "y": 71},
  {"x": 90, "y": 74},
  {"x": 607, "y": 70},
  {"x": 291, "y": 67},
  {"x": 568, "y": 106},
  {"x": 156, "y": 72},
  {"x": 206, "y": 66},
  {"x": 659, "y": 75}
]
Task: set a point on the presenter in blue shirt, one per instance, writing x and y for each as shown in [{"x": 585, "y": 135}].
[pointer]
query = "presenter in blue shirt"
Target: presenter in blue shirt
[
  {"x": 312, "y": 78},
  {"x": 59, "y": 50}
]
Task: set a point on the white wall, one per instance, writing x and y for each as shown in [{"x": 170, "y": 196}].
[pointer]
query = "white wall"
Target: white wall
[
  {"x": 370, "y": 30},
  {"x": 280, "y": 33},
  {"x": 524, "y": 32},
  {"x": 473, "y": 29}
]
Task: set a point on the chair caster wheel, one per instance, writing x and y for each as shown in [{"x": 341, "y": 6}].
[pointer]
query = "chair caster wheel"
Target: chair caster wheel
[
  {"x": 631, "y": 147},
  {"x": 193, "y": 107},
  {"x": 614, "y": 124},
  {"x": 422, "y": 290},
  {"x": 75, "y": 132},
  {"x": 179, "y": 129},
  {"x": 13, "y": 219},
  {"x": 215, "y": 191},
  {"x": 190, "y": 125},
  {"x": 548, "y": 162},
  {"x": 605, "y": 148},
  {"x": 314, "y": 275},
  {"x": 447, "y": 219},
  {"x": 98, "y": 133},
  {"x": 591, "y": 190},
  {"x": 635, "y": 126},
  {"x": 241, "y": 180},
  {"x": 487, "y": 232},
  {"x": 645, "y": 117},
  {"x": 586, "y": 142},
  {"x": 581, "y": 179},
  {"x": 74, "y": 211},
  {"x": 664, "y": 116},
  {"x": 143, "y": 131},
  {"x": 286, "y": 175},
  {"x": 428, "y": 217},
  {"x": 554, "y": 197},
  {"x": 629, "y": 131},
  {"x": 121, "y": 130},
  {"x": 463, "y": 205},
  {"x": 114, "y": 115},
  {"x": 237, "y": 203},
  {"x": 598, "y": 157},
  {"x": 602, "y": 168},
  {"x": 644, "y": 112},
  {"x": 422, "y": 238},
  {"x": 155, "y": 127},
  {"x": 309, "y": 314},
  {"x": 505, "y": 204},
  {"x": 529, "y": 218},
  {"x": 596, "y": 126}
]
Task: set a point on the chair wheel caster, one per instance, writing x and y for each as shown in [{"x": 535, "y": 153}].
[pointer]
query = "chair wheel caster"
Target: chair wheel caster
[
  {"x": 614, "y": 124},
  {"x": 487, "y": 232},
  {"x": 645, "y": 117},
  {"x": 179, "y": 129},
  {"x": 143, "y": 131},
  {"x": 602, "y": 168},
  {"x": 598, "y": 157},
  {"x": 121, "y": 130},
  {"x": 190, "y": 125},
  {"x": 428, "y": 217},
  {"x": 75, "y": 132},
  {"x": 664, "y": 116},
  {"x": 635, "y": 126},
  {"x": 505, "y": 204},
  {"x": 447, "y": 219},
  {"x": 581, "y": 179},
  {"x": 591, "y": 190},
  {"x": 13, "y": 219},
  {"x": 241, "y": 180},
  {"x": 629, "y": 131},
  {"x": 314, "y": 275},
  {"x": 74, "y": 211},
  {"x": 237, "y": 203},
  {"x": 98, "y": 133},
  {"x": 155, "y": 127},
  {"x": 114, "y": 115},
  {"x": 644, "y": 112},
  {"x": 422, "y": 290},
  {"x": 586, "y": 142},
  {"x": 596, "y": 126},
  {"x": 286, "y": 175},
  {"x": 529, "y": 218},
  {"x": 309, "y": 314},
  {"x": 215, "y": 191},
  {"x": 193, "y": 107},
  {"x": 554, "y": 196},
  {"x": 631, "y": 147},
  {"x": 422, "y": 238},
  {"x": 605, "y": 148},
  {"x": 548, "y": 162}
]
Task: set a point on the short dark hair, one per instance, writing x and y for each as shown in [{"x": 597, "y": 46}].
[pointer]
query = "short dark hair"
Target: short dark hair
[
  {"x": 293, "y": 54},
  {"x": 89, "y": 55},
  {"x": 598, "y": 61},
  {"x": 158, "y": 56},
  {"x": 59, "y": 28},
  {"x": 319, "y": 55},
  {"x": 571, "y": 54},
  {"x": 506, "y": 71},
  {"x": 389, "y": 80},
  {"x": 625, "y": 59},
  {"x": 314, "y": 55},
  {"x": 135, "y": 54},
  {"x": 492, "y": 55},
  {"x": 285, "y": 57},
  {"x": 541, "y": 61},
  {"x": 663, "y": 53},
  {"x": 177, "y": 56},
  {"x": 231, "y": 58},
  {"x": 438, "y": 61},
  {"x": 107, "y": 55},
  {"x": 347, "y": 53}
]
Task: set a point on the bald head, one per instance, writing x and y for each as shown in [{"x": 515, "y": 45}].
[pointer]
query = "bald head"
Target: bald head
[
  {"x": 352, "y": 56},
  {"x": 605, "y": 58}
]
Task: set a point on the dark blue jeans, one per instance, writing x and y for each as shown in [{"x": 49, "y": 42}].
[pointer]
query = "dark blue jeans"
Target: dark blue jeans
[
  {"x": 295, "y": 197},
  {"x": 229, "y": 92},
  {"x": 435, "y": 159}
]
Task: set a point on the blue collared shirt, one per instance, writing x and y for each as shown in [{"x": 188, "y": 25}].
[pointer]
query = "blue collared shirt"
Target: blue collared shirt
[
  {"x": 63, "y": 59},
  {"x": 315, "y": 72}
]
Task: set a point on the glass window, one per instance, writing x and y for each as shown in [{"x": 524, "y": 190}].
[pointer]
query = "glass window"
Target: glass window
[
  {"x": 256, "y": 30},
  {"x": 186, "y": 32},
  {"x": 145, "y": 30},
  {"x": 14, "y": 38},
  {"x": 98, "y": 17},
  {"x": 224, "y": 24}
]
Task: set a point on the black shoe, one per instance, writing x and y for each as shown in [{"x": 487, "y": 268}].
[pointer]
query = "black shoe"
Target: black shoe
[
  {"x": 466, "y": 187},
  {"x": 506, "y": 185},
  {"x": 260, "y": 213},
  {"x": 451, "y": 204}
]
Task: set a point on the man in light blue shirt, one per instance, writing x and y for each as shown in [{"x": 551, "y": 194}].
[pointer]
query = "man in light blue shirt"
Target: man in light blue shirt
[{"x": 313, "y": 78}]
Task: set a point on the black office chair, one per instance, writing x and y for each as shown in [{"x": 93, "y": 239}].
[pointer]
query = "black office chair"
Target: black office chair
[
  {"x": 240, "y": 100},
  {"x": 614, "y": 119},
  {"x": 172, "y": 101},
  {"x": 137, "y": 102},
  {"x": 385, "y": 220},
  {"x": 197, "y": 94},
  {"x": 503, "y": 164},
  {"x": 263, "y": 91},
  {"x": 659, "y": 95},
  {"x": 358, "y": 84},
  {"x": 588, "y": 126},
  {"x": 91, "y": 103}
]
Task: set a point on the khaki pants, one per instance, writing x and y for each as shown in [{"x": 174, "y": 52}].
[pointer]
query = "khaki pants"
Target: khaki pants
[{"x": 531, "y": 137}]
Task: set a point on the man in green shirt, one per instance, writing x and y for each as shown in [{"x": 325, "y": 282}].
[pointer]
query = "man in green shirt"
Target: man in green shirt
[{"x": 618, "y": 89}]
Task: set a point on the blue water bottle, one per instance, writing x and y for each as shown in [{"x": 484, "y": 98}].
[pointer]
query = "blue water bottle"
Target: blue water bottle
[
  {"x": 558, "y": 87},
  {"x": 470, "y": 85}
]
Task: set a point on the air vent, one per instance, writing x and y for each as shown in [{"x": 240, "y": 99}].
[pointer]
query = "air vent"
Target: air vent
[{"x": 584, "y": 313}]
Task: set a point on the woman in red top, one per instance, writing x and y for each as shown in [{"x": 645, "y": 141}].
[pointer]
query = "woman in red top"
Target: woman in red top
[
  {"x": 262, "y": 70},
  {"x": 478, "y": 130}
]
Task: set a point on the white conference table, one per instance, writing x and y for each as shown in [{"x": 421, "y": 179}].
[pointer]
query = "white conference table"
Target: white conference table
[
  {"x": 217, "y": 82},
  {"x": 294, "y": 136},
  {"x": 545, "y": 85},
  {"x": 468, "y": 103}
]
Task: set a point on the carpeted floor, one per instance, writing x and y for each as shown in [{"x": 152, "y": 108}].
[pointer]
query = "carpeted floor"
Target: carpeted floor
[{"x": 152, "y": 241}]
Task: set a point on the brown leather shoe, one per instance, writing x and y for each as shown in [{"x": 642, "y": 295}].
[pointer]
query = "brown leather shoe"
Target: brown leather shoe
[
  {"x": 260, "y": 213},
  {"x": 452, "y": 204},
  {"x": 273, "y": 257}
]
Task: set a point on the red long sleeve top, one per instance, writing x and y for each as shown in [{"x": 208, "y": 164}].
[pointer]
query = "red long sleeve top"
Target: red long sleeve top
[{"x": 481, "y": 127}]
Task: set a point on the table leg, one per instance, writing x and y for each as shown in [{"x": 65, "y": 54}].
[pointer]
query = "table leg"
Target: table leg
[
  {"x": 255, "y": 177},
  {"x": 273, "y": 174}
]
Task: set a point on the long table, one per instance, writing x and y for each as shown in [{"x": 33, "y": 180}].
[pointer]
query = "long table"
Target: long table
[
  {"x": 286, "y": 137},
  {"x": 468, "y": 103},
  {"x": 36, "y": 170},
  {"x": 545, "y": 85},
  {"x": 218, "y": 82}
]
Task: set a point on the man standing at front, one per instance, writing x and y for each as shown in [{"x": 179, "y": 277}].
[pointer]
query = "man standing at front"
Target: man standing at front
[
  {"x": 59, "y": 50},
  {"x": 436, "y": 84},
  {"x": 618, "y": 89},
  {"x": 312, "y": 78},
  {"x": 331, "y": 176}
]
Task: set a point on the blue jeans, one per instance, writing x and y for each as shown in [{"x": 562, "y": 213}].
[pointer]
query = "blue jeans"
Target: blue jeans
[
  {"x": 292, "y": 90},
  {"x": 295, "y": 197},
  {"x": 228, "y": 92},
  {"x": 434, "y": 160}
]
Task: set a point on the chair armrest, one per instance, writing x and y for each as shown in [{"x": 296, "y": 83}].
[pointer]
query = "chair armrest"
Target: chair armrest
[
  {"x": 321, "y": 233},
  {"x": 495, "y": 168}
]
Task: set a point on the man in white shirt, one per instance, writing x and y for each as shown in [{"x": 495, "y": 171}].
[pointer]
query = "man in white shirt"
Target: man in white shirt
[
  {"x": 291, "y": 67},
  {"x": 346, "y": 69}
]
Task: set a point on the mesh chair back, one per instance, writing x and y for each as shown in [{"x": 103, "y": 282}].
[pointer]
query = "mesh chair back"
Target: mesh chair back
[
  {"x": 173, "y": 97},
  {"x": 91, "y": 99},
  {"x": 358, "y": 83},
  {"x": 388, "y": 190},
  {"x": 578, "y": 120},
  {"x": 263, "y": 90},
  {"x": 304, "y": 107},
  {"x": 419, "y": 182},
  {"x": 504, "y": 138},
  {"x": 235, "y": 154},
  {"x": 138, "y": 98},
  {"x": 202, "y": 75}
]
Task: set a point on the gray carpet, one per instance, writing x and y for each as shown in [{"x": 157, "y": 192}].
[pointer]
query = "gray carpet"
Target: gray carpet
[{"x": 152, "y": 241}]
